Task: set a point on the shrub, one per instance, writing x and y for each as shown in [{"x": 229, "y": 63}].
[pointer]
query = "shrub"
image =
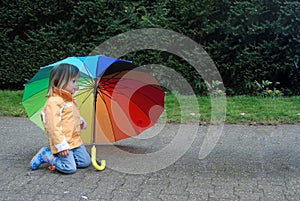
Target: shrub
[{"x": 248, "y": 40}]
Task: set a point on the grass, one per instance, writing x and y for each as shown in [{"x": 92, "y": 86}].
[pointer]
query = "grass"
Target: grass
[
  {"x": 239, "y": 109},
  {"x": 260, "y": 110},
  {"x": 178, "y": 108},
  {"x": 10, "y": 103}
]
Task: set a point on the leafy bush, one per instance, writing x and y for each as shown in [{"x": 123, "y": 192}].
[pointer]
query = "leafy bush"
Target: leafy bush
[{"x": 249, "y": 40}]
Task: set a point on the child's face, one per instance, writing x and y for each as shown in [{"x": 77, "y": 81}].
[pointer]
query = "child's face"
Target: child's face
[{"x": 72, "y": 85}]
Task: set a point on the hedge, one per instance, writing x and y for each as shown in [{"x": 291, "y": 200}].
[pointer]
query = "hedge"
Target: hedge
[{"x": 249, "y": 41}]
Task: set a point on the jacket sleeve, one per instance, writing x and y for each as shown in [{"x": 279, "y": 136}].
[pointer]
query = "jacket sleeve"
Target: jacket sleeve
[{"x": 52, "y": 122}]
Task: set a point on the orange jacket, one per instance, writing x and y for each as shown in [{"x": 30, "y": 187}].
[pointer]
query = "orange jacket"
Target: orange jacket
[{"x": 61, "y": 120}]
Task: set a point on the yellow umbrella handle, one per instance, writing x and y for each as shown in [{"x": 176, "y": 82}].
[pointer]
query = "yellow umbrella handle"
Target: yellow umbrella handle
[{"x": 94, "y": 162}]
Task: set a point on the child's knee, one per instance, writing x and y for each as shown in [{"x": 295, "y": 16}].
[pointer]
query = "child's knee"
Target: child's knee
[
  {"x": 85, "y": 163},
  {"x": 69, "y": 170},
  {"x": 66, "y": 168}
]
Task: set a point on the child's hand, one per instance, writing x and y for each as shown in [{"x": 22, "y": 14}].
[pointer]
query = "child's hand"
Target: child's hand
[
  {"x": 64, "y": 153},
  {"x": 83, "y": 124}
]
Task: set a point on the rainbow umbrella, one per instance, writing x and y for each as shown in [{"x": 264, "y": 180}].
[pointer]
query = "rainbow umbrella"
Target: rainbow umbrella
[{"x": 115, "y": 98}]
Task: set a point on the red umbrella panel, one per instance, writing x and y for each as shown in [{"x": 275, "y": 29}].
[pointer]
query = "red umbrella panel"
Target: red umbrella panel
[{"x": 126, "y": 104}]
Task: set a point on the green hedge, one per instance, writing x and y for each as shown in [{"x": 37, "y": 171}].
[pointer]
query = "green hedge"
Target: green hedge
[{"x": 249, "y": 41}]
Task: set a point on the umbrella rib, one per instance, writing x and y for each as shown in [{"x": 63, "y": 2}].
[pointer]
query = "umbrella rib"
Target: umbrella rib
[
  {"x": 83, "y": 91},
  {"x": 124, "y": 87},
  {"x": 88, "y": 79},
  {"x": 123, "y": 95},
  {"x": 110, "y": 78},
  {"x": 87, "y": 88},
  {"x": 105, "y": 92},
  {"x": 116, "y": 101},
  {"x": 89, "y": 74},
  {"x": 33, "y": 94},
  {"x": 102, "y": 98},
  {"x": 86, "y": 97},
  {"x": 134, "y": 101}
]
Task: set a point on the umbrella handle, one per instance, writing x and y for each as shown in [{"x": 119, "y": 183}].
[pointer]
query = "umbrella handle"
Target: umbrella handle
[{"x": 94, "y": 162}]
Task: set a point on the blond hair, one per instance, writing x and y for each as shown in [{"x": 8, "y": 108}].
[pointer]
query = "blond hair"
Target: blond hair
[{"x": 60, "y": 76}]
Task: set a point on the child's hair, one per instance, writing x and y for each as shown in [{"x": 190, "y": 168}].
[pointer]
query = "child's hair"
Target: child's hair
[{"x": 60, "y": 75}]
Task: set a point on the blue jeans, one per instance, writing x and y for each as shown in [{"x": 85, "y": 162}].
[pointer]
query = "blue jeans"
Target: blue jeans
[{"x": 77, "y": 158}]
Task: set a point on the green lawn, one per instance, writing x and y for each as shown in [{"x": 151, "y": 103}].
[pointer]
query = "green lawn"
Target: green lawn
[
  {"x": 239, "y": 109},
  {"x": 178, "y": 108},
  {"x": 263, "y": 110},
  {"x": 10, "y": 103}
]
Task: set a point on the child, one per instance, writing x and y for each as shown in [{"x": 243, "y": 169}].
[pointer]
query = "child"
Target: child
[{"x": 62, "y": 123}]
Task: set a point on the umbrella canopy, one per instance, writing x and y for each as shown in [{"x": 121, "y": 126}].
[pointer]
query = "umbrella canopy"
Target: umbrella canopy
[{"x": 115, "y": 98}]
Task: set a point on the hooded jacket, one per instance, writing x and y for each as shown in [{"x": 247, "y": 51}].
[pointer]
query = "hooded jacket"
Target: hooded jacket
[{"x": 61, "y": 120}]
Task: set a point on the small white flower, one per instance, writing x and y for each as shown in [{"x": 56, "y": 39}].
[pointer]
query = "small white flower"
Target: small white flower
[
  {"x": 242, "y": 113},
  {"x": 192, "y": 114}
]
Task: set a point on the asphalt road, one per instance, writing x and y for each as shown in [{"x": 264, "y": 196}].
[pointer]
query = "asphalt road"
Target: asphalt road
[{"x": 247, "y": 163}]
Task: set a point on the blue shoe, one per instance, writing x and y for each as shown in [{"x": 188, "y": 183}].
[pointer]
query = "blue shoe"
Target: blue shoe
[{"x": 44, "y": 155}]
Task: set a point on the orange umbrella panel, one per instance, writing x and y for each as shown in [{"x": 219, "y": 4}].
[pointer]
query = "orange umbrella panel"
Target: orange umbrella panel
[{"x": 127, "y": 104}]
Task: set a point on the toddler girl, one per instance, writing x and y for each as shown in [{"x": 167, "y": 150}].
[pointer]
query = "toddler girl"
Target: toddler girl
[{"x": 62, "y": 123}]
